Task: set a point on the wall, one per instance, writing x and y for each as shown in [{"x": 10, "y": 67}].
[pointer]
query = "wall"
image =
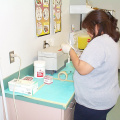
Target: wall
[
  {"x": 18, "y": 33},
  {"x": 77, "y": 2}
]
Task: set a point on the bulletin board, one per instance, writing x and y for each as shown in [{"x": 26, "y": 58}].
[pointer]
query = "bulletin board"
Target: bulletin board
[
  {"x": 57, "y": 15},
  {"x": 42, "y": 15}
]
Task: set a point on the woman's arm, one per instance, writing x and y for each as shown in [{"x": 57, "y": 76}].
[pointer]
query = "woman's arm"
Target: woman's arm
[{"x": 82, "y": 67}]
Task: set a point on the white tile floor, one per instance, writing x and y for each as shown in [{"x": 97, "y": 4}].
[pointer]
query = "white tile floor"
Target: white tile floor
[{"x": 114, "y": 114}]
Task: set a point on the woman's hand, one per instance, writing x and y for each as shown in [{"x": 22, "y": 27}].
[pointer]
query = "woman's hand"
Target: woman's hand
[
  {"x": 65, "y": 48},
  {"x": 82, "y": 67}
]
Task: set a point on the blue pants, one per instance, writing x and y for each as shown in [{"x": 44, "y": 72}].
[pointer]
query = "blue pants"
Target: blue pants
[{"x": 83, "y": 113}]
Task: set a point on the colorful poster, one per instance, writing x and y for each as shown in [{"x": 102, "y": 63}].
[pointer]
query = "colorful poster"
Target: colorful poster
[
  {"x": 57, "y": 15},
  {"x": 42, "y": 13}
]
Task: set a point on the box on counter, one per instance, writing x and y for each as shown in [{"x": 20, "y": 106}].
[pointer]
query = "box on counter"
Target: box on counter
[
  {"x": 23, "y": 86},
  {"x": 48, "y": 79}
]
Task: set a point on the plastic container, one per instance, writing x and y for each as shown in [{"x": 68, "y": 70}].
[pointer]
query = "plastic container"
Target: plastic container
[
  {"x": 39, "y": 69},
  {"x": 48, "y": 79},
  {"x": 83, "y": 41}
]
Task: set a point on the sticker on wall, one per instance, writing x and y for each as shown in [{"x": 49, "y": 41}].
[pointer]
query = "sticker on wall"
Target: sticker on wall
[
  {"x": 38, "y": 2},
  {"x": 45, "y": 13},
  {"x": 53, "y": 3},
  {"x": 42, "y": 9},
  {"x": 53, "y": 14},
  {"x": 58, "y": 3},
  {"x": 58, "y": 25},
  {"x": 38, "y": 13},
  {"x": 57, "y": 15},
  {"x": 39, "y": 28},
  {"x": 46, "y": 3},
  {"x": 46, "y": 27}
]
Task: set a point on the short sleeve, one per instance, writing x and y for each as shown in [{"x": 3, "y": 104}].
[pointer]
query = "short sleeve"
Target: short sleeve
[{"x": 94, "y": 54}]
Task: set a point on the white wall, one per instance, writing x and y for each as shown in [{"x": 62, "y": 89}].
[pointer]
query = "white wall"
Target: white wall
[
  {"x": 18, "y": 33},
  {"x": 75, "y": 2}
]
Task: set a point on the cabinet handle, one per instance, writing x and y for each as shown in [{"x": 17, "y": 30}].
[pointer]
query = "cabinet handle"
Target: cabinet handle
[{"x": 72, "y": 106}]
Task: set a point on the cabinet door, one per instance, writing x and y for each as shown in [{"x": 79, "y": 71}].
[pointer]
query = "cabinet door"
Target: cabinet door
[
  {"x": 31, "y": 111},
  {"x": 68, "y": 114}
]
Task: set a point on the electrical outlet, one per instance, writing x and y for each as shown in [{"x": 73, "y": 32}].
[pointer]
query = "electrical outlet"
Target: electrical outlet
[{"x": 11, "y": 58}]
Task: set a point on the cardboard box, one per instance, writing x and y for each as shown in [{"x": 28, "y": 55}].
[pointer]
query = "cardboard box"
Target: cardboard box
[{"x": 23, "y": 86}]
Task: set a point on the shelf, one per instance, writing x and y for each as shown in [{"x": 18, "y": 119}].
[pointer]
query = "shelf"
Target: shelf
[{"x": 79, "y": 9}]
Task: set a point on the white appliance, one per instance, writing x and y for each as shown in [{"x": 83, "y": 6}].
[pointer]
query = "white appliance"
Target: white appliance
[{"x": 54, "y": 58}]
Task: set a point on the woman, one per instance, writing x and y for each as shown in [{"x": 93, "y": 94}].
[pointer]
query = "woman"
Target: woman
[{"x": 96, "y": 75}]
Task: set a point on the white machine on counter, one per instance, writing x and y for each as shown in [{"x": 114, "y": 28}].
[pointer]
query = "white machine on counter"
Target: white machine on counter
[{"x": 54, "y": 58}]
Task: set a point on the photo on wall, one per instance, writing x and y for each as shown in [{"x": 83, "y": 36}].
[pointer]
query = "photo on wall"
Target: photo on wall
[
  {"x": 42, "y": 15},
  {"x": 57, "y": 15}
]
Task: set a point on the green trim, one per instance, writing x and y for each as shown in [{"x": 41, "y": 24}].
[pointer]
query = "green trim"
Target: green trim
[{"x": 22, "y": 98}]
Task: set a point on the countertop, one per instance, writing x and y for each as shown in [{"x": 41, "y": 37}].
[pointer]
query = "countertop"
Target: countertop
[{"x": 59, "y": 94}]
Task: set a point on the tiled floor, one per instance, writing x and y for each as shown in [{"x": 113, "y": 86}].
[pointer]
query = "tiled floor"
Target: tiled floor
[{"x": 114, "y": 114}]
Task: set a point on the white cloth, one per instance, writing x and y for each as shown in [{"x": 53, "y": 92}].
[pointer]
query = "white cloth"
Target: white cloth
[{"x": 99, "y": 89}]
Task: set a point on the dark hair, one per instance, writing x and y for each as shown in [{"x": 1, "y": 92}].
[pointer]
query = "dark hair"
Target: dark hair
[{"x": 107, "y": 24}]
